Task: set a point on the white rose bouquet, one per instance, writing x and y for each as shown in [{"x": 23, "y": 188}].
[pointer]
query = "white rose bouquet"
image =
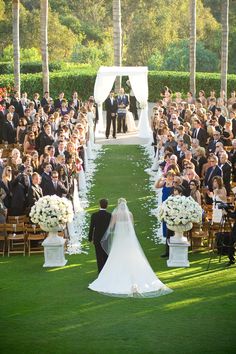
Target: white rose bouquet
[
  {"x": 52, "y": 212},
  {"x": 179, "y": 211}
]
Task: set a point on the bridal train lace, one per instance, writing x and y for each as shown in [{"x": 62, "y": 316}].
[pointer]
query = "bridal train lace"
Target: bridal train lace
[{"x": 127, "y": 272}]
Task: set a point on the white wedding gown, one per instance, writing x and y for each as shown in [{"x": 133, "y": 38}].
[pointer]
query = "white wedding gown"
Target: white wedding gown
[
  {"x": 131, "y": 127},
  {"x": 127, "y": 272}
]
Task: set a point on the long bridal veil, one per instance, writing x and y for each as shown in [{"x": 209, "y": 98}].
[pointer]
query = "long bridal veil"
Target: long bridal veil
[{"x": 126, "y": 272}]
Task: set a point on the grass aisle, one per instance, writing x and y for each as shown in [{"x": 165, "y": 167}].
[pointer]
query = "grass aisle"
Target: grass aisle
[{"x": 51, "y": 311}]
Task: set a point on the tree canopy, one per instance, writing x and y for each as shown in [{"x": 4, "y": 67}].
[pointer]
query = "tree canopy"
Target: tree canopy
[{"x": 153, "y": 32}]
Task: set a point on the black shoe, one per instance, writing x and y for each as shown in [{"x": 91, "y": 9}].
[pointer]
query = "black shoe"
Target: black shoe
[
  {"x": 107, "y": 137},
  {"x": 165, "y": 255},
  {"x": 114, "y": 137},
  {"x": 230, "y": 263}
]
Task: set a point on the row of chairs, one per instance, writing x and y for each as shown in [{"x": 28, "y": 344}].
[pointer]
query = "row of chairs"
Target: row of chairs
[
  {"x": 17, "y": 238},
  {"x": 204, "y": 235}
]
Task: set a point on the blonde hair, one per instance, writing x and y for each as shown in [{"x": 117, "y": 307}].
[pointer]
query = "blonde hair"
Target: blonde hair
[{"x": 122, "y": 200}]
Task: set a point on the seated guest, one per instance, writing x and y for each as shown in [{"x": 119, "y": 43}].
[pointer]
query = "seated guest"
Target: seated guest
[
  {"x": 54, "y": 186},
  {"x": 212, "y": 171},
  {"x": 19, "y": 196},
  {"x": 226, "y": 168},
  {"x": 194, "y": 191},
  {"x": 34, "y": 192}
]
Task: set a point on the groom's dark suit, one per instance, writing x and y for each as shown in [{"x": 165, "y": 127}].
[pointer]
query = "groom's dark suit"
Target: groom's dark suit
[
  {"x": 98, "y": 226},
  {"x": 111, "y": 108}
]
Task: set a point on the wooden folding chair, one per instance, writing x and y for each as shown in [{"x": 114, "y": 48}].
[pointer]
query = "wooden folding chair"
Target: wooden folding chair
[
  {"x": 2, "y": 238},
  {"x": 36, "y": 234},
  {"x": 16, "y": 240},
  {"x": 17, "y": 219},
  {"x": 199, "y": 235}
]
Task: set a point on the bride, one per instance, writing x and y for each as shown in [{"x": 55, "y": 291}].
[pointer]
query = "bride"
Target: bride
[{"x": 126, "y": 272}]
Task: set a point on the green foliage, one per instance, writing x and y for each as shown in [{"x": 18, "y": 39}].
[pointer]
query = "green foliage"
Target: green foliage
[
  {"x": 6, "y": 68},
  {"x": 28, "y": 68},
  {"x": 91, "y": 54},
  {"x": 179, "y": 81},
  {"x": 74, "y": 80},
  {"x": 26, "y": 54},
  {"x": 82, "y": 79},
  {"x": 176, "y": 58}
]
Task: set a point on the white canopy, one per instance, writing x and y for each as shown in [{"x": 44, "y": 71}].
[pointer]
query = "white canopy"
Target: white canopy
[{"x": 138, "y": 77}]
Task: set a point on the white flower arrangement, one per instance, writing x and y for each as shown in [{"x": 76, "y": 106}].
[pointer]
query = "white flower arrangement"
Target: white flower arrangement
[
  {"x": 52, "y": 212},
  {"x": 179, "y": 210}
]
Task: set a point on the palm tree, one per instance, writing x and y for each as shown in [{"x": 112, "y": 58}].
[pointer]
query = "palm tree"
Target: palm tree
[
  {"x": 224, "y": 44},
  {"x": 192, "y": 47},
  {"x": 16, "y": 42},
  {"x": 117, "y": 38},
  {"x": 44, "y": 42}
]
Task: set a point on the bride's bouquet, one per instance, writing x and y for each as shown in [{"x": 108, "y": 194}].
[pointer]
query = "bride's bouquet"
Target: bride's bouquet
[
  {"x": 179, "y": 211},
  {"x": 52, "y": 212}
]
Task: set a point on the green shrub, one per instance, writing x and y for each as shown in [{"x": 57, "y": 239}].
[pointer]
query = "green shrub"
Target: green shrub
[
  {"x": 28, "y": 67},
  {"x": 83, "y": 80},
  {"x": 6, "y": 68}
]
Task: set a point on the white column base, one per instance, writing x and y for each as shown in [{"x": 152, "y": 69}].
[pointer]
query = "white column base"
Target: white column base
[
  {"x": 178, "y": 254},
  {"x": 54, "y": 252}
]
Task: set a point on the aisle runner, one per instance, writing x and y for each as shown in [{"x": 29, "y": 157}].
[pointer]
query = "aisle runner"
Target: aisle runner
[
  {"x": 153, "y": 176},
  {"x": 77, "y": 229}
]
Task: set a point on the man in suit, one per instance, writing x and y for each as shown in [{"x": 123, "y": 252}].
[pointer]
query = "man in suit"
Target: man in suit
[
  {"x": 111, "y": 108},
  {"x": 221, "y": 119},
  {"x": 34, "y": 192},
  {"x": 9, "y": 131},
  {"x": 98, "y": 226},
  {"x": 123, "y": 102},
  {"x": 199, "y": 133},
  {"x": 58, "y": 101},
  {"x": 226, "y": 168},
  {"x": 54, "y": 186},
  {"x": 212, "y": 171},
  {"x": 15, "y": 118},
  {"x": 212, "y": 144}
]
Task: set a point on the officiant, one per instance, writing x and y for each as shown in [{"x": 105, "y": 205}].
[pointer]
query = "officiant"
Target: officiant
[{"x": 123, "y": 102}]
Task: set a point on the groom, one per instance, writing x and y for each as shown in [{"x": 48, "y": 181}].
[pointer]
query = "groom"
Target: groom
[{"x": 98, "y": 226}]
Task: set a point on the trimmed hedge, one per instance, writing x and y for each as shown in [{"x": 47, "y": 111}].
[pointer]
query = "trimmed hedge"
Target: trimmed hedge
[
  {"x": 82, "y": 81},
  {"x": 27, "y": 68}
]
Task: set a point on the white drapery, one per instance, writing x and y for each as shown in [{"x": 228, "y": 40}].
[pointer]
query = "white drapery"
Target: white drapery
[{"x": 138, "y": 77}]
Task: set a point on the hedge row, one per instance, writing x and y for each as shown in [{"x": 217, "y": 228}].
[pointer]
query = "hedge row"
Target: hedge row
[
  {"x": 27, "y": 68},
  {"x": 83, "y": 82}
]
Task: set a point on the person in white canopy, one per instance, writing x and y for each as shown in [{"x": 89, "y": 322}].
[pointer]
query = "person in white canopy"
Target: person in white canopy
[{"x": 127, "y": 272}]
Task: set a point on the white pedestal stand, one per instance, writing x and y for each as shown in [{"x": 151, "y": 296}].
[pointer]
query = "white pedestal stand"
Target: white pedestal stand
[
  {"x": 178, "y": 254},
  {"x": 54, "y": 250}
]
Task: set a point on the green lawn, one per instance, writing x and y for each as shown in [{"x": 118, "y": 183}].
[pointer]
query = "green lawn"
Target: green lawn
[{"x": 52, "y": 311}]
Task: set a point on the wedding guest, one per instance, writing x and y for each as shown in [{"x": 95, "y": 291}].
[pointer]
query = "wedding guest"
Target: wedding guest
[
  {"x": 5, "y": 184},
  {"x": 226, "y": 167},
  {"x": 194, "y": 191},
  {"x": 21, "y": 130},
  {"x": 19, "y": 193},
  {"x": 29, "y": 143},
  {"x": 218, "y": 195}
]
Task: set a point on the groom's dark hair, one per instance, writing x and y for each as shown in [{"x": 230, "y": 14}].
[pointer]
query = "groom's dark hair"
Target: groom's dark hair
[{"x": 103, "y": 203}]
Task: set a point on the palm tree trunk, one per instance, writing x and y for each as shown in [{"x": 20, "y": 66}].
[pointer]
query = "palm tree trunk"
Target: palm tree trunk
[
  {"x": 16, "y": 42},
  {"x": 224, "y": 44},
  {"x": 192, "y": 47},
  {"x": 117, "y": 38},
  {"x": 44, "y": 42}
]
